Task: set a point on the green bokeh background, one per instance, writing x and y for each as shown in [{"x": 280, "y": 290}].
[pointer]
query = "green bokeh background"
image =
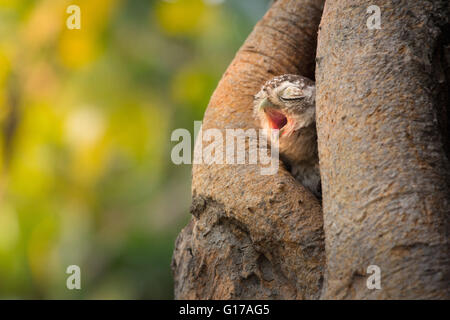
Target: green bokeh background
[{"x": 86, "y": 117}]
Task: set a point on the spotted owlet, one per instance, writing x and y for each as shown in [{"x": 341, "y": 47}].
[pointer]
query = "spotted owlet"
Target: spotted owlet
[{"x": 287, "y": 103}]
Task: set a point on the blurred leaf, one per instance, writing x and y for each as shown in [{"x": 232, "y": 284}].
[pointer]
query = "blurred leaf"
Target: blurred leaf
[
  {"x": 182, "y": 17},
  {"x": 89, "y": 179}
]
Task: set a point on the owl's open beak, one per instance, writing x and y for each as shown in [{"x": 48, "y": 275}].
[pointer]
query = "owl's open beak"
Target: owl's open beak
[
  {"x": 265, "y": 104},
  {"x": 275, "y": 118}
]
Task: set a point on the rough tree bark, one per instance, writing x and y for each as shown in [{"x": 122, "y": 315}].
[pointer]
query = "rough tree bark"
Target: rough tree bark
[
  {"x": 254, "y": 236},
  {"x": 382, "y": 107},
  {"x": 384, "y": 146}
]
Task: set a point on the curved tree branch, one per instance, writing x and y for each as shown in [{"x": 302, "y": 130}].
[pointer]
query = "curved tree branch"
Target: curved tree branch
[{"x": 253, "y": 235}]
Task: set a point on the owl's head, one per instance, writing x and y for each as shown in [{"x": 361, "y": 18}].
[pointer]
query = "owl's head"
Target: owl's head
[{"x": 286, "y": 103}]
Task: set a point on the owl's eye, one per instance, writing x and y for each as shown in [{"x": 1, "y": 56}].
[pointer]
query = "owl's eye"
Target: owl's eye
[{"x": 292, "y": 93}]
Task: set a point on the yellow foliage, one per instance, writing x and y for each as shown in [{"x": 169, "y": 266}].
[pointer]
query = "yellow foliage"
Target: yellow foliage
[
  {"x": 43, "y": 24},
  {"x": 182, "y": 16},
  {"x": 40, "y": 249},
  {"x": 84, "y": 133},
  {"x": 143, "y": 133},
  {"x": 89, "y": 114},
  {"x": 31, "y": 171},
  {"x": 191, "y": 85},
  {"x": 5, "y": 67},
  {"x": 9, "y": 227},
  {"x": 8, "y": 3},
  {"x": 79, "y": 47}
]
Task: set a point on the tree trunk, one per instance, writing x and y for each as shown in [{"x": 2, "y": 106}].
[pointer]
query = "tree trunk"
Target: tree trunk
[
  {"x": 384, "y": 147},
  {"x": 254, "y": 236},
  {"x": 382, "y": 113}
]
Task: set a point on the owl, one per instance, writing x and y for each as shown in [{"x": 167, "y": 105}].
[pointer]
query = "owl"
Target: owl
[{"x": 287, "y": 103}]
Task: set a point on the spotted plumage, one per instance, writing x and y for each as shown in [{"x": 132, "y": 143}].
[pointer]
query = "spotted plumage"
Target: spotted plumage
[{"x": 287, "y": 103}]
